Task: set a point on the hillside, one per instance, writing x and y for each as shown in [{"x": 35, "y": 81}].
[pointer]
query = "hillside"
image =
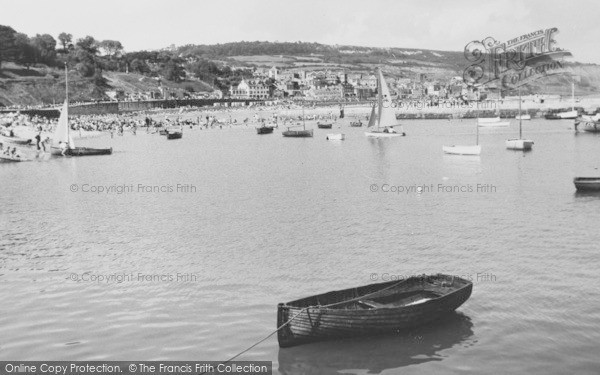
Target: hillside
[
  {"x": 44, "y": 85},
  {"x": 397, "y": 62},
  {"x": 217, "y": 64}
]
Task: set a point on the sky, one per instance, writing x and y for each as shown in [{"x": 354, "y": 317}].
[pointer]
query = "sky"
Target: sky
[{"x": 427, "y": 24}]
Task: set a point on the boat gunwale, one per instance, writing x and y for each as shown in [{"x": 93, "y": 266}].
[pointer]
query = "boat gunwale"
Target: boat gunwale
[{"x": 384, "y": 285}]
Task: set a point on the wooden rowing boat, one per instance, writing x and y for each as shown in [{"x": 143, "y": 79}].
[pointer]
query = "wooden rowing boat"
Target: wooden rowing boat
[
  {"x": 587, "y": 183},
  {"x": 264, "y": 129},
  {"x": 12, "y": 159},
  {"x": 371, "y": 309},
  {"x": 16, "y": 140}
]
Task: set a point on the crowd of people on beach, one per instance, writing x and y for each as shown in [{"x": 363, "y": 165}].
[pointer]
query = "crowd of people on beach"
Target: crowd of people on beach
[{"x": 17, "y": 129}]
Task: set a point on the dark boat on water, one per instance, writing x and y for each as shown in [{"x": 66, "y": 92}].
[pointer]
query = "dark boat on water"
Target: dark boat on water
[
  {"x": 356, "y": 124},
  {"x": 81, "y": 151},
  {"x": 16, "y": 140},
  {"x": 298, "y": 133},
  {"x": 587, "y": 183},
  {"x": 324, "y": 125},
  {"x": 265, "y": 129},
  {"x": 87, "y": 151},
  {"x": 371, "y": 309},
  {"x": 174, "y": 134}
]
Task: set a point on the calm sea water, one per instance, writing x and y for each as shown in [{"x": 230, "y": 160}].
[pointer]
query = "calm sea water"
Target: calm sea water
[{"x": 197, "y": 274}]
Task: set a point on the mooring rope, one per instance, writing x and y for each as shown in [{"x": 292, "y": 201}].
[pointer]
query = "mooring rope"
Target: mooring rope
[{"x": 265, "y": 338}]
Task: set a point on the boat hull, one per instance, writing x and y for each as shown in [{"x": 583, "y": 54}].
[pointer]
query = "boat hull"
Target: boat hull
[
  {"x": 523, "y": 117},
  {"x": 499, "y": 124},
  {"x": 324, "y": 126},
  {"x": 356, "y": 124},
  {"x": 561, "y": 115},
  {"x": 462, "y": 150},
  {"x": 9, "y": 159},
  {"x": 589, "y": 126},
  {"x": 383, "y": 135},
  {"x": 264, "y": 130},
  {"x": 298, "y": 133},
  {"x": 15, "y": 140},
  {"x": 311, "y": 319},
  {"x": 336, "y": 137},
  {"x": 587, "y": 183},
  {"x": 81, "y": 151},
  {"x": 519, "y": 144},
  {"x": 177, "y": 135}
]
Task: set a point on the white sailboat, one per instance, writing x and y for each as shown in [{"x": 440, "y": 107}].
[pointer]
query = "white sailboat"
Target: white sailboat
[
  {"x": 384, "y": 120},
  {"x": 465, "y": 149},
  {"x": 62, "y": 143},
  {"x": 519, "y": 143},
  {"x": 488, "y": 122},
  {"x": 62, "y": 133},
  {"x": 572, "y": 114}
]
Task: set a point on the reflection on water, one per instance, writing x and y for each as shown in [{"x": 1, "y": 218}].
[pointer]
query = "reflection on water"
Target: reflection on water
[
  {"x": 376, "y": 354},
  {"x": 275, "y": 219},
  {"x": 590, "y": 195}
]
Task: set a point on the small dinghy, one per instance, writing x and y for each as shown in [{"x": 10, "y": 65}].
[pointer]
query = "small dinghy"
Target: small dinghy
[
  {"x": 336, "y": 137},
  {"x": 324, "y": 125},
  {"x": 587, "y": 183},
  {"x": 371, "y": 309}
]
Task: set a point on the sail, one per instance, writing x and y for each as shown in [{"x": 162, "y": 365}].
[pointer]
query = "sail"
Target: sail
[
  {"x": 373, "y": 117},
  {"x": 61, "y": 133},
  {"x": 387, "y": 116}
]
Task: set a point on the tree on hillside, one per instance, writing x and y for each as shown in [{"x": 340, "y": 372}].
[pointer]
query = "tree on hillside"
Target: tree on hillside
[
  {"x": 25, "y": 51},
  {"x": 46, "y": 48},
  {"x": 65, "y": 39},
  {"x": 111, "y": 47},
  {"x": 139, "y": 66},
  {"x": 85, "y": 54},
  {"x": 88, "y": 44},
  {"x": 173, "y": 71},
  {"x": 7, "y": 43}
]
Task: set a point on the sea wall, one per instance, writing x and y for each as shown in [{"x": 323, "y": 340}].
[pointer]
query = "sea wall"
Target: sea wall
[{"x": 103, "y": 108}]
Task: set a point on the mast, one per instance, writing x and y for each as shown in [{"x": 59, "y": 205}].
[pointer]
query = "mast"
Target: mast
[
  {"x": 379, "y": 98},
  {"x": 67, "y": 101},
  {"x": 520, "y": 119},
  {"x": 573, "y": 95},
  {"x": 477, "y": 122}
]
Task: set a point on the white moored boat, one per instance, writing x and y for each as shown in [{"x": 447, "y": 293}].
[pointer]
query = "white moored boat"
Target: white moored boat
[
  {"x": 462, "y": 150},
  {"x": 523, "y": 117},
  {"x": 465, "y": 149},
  {"x": 589, "y": 123},
  {"x": 384, "y": 119},
  {"x": 492, "y": 122},
  {"x": 519, "y": 144},
  {"x": 336, "y": 137}
]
